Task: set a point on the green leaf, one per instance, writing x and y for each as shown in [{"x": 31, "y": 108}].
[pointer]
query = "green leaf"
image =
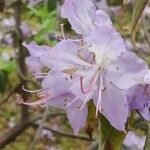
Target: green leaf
[
  {"x": 147, "y": 142},
  {"x": 139, "y": 6},
  {"x": 109, "y": 137},
  {"x": 51, "y": 5},
  {"x": 8, "y": 67}
]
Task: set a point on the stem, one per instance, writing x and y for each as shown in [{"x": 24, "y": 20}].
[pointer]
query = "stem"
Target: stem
[
  {"x": 20, "y": 54},
  {"x": 147, "y": 142},
  {"x": 109, "y": 138}
]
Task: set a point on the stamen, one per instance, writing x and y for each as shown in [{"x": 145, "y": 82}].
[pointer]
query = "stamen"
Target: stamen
[
  {"x": 40, "y": 76},
  {"x": 39, "y": 102},
  {"x": 85, "y": 91},
  {"x": 72, "y": 102},
  {"x": 93, "y": 83},
  {"x": 40, "y": 73},
  {"x": 62, "y": 31},
  {"x": 31, "y": 91},
  {"x": 99, "y": 100}
]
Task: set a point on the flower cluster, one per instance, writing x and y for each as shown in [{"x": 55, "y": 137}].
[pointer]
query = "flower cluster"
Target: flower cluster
[{"x": 96, "y": 67}]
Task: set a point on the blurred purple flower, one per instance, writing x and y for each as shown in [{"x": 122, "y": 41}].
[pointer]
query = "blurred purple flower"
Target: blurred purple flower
[
  {"x": 139, "y": 97},
  {"x": 134, "y": 142},
  {"x": 25, "y": 30}
]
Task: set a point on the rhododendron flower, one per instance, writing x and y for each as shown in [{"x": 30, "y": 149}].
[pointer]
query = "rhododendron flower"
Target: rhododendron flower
[
  {"x": 134, "y": 141},
  {"x": 97, "y": 67},
  {"x": 139, "y": 97}
]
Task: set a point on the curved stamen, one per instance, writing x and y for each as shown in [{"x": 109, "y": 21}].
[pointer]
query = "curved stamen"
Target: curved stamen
[
  {"x": 31, "y": 91},
  {"x": 39, "y": 102},
  {"x": 85, "y": 91},
  {"x": 39, "y": 76},
  {"x": 93, "y": 83}
]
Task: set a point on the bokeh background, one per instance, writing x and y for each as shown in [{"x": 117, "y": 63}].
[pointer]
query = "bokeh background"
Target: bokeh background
[{"x": 41, "y": 128}]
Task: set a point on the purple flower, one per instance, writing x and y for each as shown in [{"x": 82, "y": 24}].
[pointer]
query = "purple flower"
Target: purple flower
[
  {"x": 139, "y": 97},
  {"x": 97, "y": 68},
  {"x": 134, "y": 141}
]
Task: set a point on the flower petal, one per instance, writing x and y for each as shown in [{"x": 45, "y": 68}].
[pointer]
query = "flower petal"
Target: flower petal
[
  {"x": 114, "y": 106},
  {"x": 102, "y": 19},
  {"x": 36, "y": 50},
  {"x": 77, "y": 117},
  {"x": 81, "y": 15},
  {"x": 139, "y": 98},
  {"x": 127, "y": 71},
  {"x": 56, "y": 82},
  {"x": 106, "y": 43},
  {"x": 33, "y": 64},
  {"x": 63, "y": 56}
]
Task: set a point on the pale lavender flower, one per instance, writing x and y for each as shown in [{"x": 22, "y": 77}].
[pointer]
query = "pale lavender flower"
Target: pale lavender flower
[
  {"x": 99, "y": 77},
  {"x": 96, "y": 67},
  {"x": 139, "y": 97},
  {"x": 134, "y": 142}
]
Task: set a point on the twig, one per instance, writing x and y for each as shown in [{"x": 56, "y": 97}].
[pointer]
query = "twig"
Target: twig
[
  {"x": 145, "y": 29},
  {"x": 20, "y": 127},
  {"x": 64, "y": 134}
]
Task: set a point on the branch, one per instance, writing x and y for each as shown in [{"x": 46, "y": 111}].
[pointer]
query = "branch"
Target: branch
[
  {"x": 64, "y": 134},
  {"x": 20, "y": 127}
]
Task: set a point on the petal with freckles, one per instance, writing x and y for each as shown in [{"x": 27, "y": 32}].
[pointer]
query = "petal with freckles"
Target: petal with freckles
[
  {"x": 146, "y": 111},
  {"x": 64, "y": 56},
  {"x": 114, "y": 106},
  {"x": 81, "y": 15},
  {"x": 56, "y": 82},
  {"x": 60, "y": 101},
  {"x": 139, "y": 98},
  {"x": 77, "y": 117},
  {"x": 127, "y": 71},
  {"x": 84, "y": 88}
]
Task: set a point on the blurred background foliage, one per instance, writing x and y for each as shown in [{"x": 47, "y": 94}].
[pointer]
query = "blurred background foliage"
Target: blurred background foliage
[{"x": 40, "y": 22}]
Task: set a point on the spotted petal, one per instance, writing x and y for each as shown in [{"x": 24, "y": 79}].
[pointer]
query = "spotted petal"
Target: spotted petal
[
  {"x": 64, "y": 56},
  {"x": 139, "y": 99},
  {"x": 77, "y": 117},
  {"x": 113, "y": 105},
  {"x": 127, "y": 71}
]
